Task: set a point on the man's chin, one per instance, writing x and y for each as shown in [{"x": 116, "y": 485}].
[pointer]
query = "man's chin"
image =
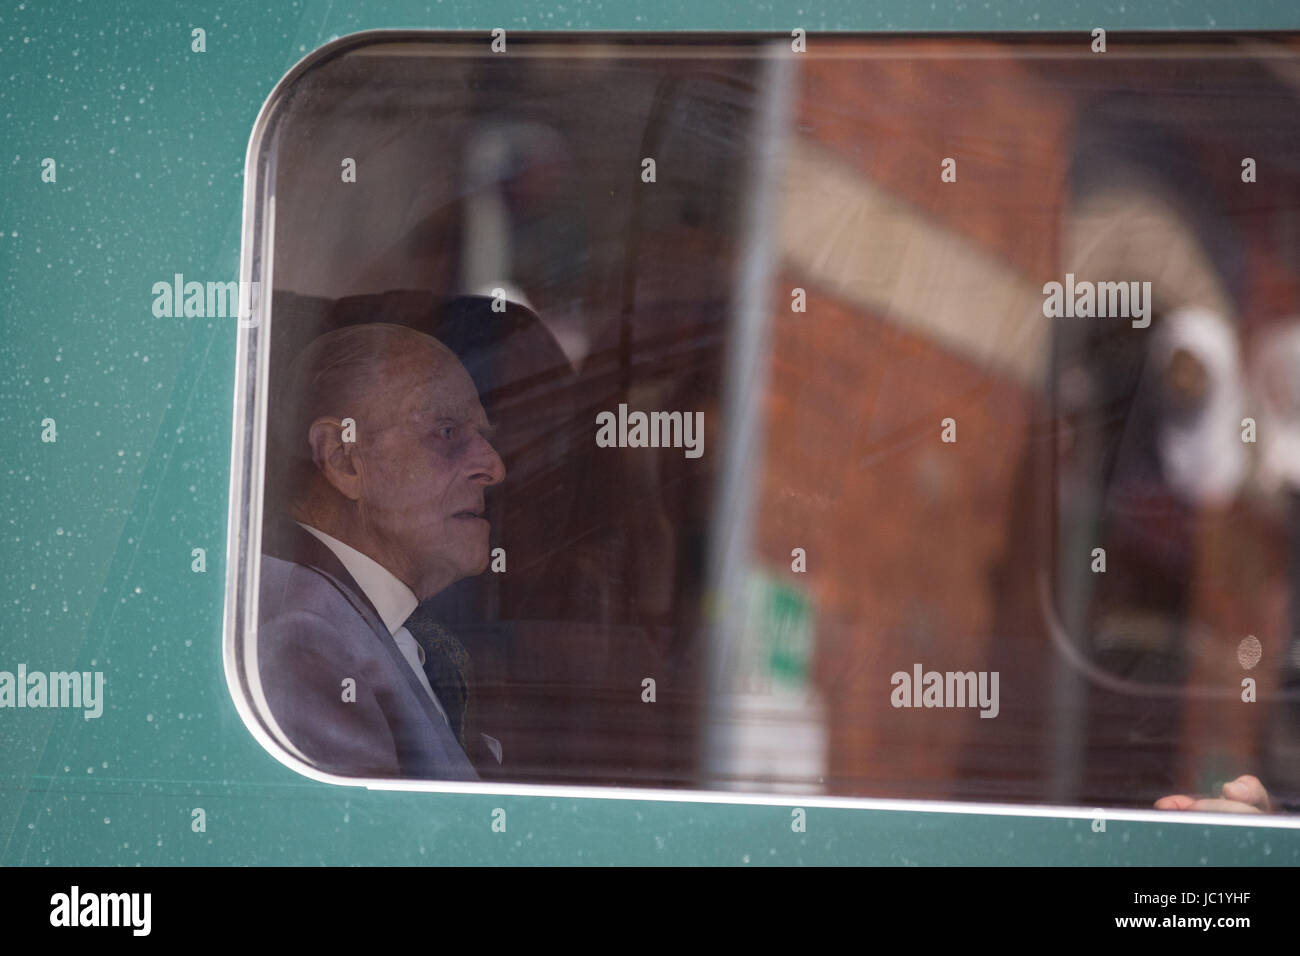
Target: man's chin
[{"x": 478, "y": 564}]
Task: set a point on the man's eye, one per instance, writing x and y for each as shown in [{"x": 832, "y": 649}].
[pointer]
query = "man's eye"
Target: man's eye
[{"x": 447, "y": 432}]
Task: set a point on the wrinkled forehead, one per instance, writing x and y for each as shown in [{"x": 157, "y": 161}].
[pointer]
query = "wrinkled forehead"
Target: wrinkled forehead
[{"x": 430, "y": 384}]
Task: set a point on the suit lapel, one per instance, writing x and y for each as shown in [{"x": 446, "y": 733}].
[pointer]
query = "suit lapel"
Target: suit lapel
[{"x": 287, "y": 540}]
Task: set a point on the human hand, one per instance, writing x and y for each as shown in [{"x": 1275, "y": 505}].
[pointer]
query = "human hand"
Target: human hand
[{"x": 1243, "y": 795}]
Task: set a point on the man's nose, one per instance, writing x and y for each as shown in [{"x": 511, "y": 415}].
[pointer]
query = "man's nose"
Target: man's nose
[{"x": 489, "y": 469}]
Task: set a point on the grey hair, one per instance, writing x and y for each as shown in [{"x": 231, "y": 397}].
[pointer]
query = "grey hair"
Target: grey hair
[{"x": 332, "y": 377}]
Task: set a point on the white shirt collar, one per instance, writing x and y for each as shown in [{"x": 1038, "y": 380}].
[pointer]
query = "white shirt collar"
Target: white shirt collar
[{"x": 392, "y": 599}]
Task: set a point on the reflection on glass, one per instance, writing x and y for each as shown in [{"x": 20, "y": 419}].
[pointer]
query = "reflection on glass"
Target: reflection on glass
[{"x": 896, "y": 419}]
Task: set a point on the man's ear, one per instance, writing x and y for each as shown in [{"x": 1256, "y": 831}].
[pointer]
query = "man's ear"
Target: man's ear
[{"x": 334, "y": 457}]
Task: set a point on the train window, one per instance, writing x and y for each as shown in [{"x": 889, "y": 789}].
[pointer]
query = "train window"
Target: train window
[{"x": 850, "y": 416}]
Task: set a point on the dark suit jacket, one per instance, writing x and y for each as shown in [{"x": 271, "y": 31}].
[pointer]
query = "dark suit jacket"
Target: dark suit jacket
[{"x": 316, "y": 628}]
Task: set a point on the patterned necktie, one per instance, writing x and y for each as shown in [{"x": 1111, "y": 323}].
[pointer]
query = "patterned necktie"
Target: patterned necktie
[{"x": 450, "y": 671}]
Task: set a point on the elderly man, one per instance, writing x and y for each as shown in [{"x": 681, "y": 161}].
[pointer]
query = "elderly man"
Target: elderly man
[{"x": 388, "y": 458}]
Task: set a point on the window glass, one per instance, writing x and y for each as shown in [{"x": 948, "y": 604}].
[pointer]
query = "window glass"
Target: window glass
[{"x": 850, "y": 416}]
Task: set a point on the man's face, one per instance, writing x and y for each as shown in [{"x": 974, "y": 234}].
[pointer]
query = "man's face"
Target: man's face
[{"x": 426, "y": 463}]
